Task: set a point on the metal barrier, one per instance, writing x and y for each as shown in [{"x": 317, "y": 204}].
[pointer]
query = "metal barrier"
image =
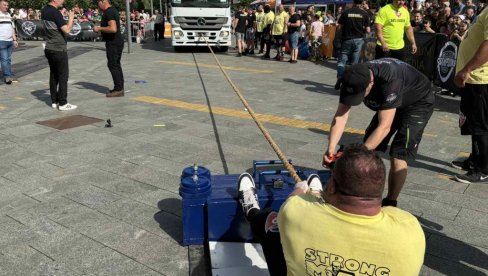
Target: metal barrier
[{"x": 142, "y": 30}]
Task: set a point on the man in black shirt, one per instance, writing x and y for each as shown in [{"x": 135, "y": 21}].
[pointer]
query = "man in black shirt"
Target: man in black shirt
[
  {"x": 403, "y": 101},
  {"x": 240, "y": 23},
  {"x": 294, "y": 24},
  {"x": 353, "y": 25},
  {"x": 56, "y": 53},
  {"x": 250, "y": 31},
  {"x": 114, "y": 45}
]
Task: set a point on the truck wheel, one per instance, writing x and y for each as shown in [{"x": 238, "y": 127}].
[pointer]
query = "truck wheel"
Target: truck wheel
[{"x": 178, "y": 49}]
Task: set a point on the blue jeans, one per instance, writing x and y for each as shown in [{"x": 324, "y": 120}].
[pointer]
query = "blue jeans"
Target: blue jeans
[
  {"x": 6, "y": 57},
  {"x": 350, "y": 48},
  {"x": 293, "y": 37}
]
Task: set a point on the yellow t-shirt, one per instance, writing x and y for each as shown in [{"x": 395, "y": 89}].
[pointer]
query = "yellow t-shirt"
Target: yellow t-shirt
[
  {"x": 319, "y": 239},
  {"x": 279, "y": 23},
  {"x": 259, "y": 21},
  {"x": 394, "y": 23},
  {"x": 477, "y": 33},
  {"x": 268, "y": 19}
]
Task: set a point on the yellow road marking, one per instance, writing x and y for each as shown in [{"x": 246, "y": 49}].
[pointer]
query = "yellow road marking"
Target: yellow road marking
[
  {"x": 265, "y": 118},
  {"x": 230, "y": 68},
  {"x": 2, "y": 107},
  {"x": 464, "y": 154},
  {"x": 19, "y": 98}
]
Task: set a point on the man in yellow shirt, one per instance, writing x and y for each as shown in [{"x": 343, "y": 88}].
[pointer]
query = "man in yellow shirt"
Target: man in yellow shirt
[
  {"x": 269, "y": 17},
  {"x": 259, "y": 28},
  {"x": 345, "y": 231},
  {"x": 392, "y": 21},
  {"x": 472, "y": 77},
  {"x": 279, "y": 31}
]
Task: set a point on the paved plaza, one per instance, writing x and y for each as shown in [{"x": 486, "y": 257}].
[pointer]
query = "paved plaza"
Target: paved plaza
[{"x": 93, "y": 200}]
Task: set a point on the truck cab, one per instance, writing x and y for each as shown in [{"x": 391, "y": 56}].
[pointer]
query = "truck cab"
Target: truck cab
[{"x": 193, "y": 22}]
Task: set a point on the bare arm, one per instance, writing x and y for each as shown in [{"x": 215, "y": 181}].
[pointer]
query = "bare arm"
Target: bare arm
[
  {"x": 385, "y": 119},
  {"x": 479, "y": 58},
  {"x": 411, "y": 38},
  {"x": 67, "y": 28},
  {"x": 111, "y": 28},
  {"x": 379, "y": 34},
  {"x": 337, "y": 127}
]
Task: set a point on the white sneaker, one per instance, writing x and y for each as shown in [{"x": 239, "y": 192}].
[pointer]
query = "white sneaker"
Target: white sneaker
[
  {"x": 54, "y": 105},
  {"x": 314, "y": 183},
  {"x": 247, "y": 193},
  {"x": 67, "y": 107}
]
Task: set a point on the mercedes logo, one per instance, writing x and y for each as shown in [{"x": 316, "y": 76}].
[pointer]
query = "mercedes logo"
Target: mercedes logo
[{"x": 201, "y": 21}]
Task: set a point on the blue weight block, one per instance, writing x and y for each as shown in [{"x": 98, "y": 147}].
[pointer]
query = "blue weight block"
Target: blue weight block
[{"x": 222, "y": 215}]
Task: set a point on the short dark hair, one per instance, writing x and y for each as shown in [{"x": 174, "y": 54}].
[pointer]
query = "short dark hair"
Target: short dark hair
[{"x": 359, "y": 172}]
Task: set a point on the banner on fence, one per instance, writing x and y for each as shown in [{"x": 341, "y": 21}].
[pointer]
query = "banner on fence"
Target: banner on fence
[{"x": 34, "y": 29}]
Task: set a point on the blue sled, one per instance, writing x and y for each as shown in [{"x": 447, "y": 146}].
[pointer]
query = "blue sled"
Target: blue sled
[{"x": 211, "y": 211}]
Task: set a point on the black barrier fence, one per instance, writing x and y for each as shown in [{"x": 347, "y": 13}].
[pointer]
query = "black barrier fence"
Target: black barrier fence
[
  {"x": 435, "y": 57},
  {"x": 35, "y": 29}
]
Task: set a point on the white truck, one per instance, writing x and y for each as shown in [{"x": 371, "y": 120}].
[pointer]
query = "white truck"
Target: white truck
[{"x": 192, "y": 20}]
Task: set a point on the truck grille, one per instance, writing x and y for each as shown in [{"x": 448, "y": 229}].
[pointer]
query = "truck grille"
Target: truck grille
[{"x": 200, "y": 23}]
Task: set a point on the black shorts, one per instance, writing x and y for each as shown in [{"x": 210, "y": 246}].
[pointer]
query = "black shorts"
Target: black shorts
[
  {"x": 278, "y": 40},
  {"x": 473, "y": 114},
  {"x": 408, "y": 126}
]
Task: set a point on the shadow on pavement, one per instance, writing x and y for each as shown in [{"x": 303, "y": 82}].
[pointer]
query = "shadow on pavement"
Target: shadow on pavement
[
  {"x": 92, "y": 86},
  {"x": 169, "y": 222},
  {"x": 465, "y": 256},
  {"x": 42, "y": 95},
  {"x": 172, "y": 224},
  {"x": 447, "y": 104},
  {"x": 313, "y": 86}
]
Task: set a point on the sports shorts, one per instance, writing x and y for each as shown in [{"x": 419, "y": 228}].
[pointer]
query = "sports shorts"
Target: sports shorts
[
  {"x": 408, "y": 127},
  {"x": 473, "y": 111}
]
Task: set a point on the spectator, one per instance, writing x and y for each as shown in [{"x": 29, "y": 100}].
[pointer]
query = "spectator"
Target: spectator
[
  {"x": 8, "y": 41},
  {"x": 329, "y": 18},
  {"x": 471, "y": 77},
  {"x": 31, "y": 14},
  {"x": 294, "y": 24},
  {"x": 481, "y": 6},
  {"x": 240, "y": 23},
  {"x": 458, "y": 7},
  {"x": 469, "y": 4},
  {"x": 340, "y": 10},
  {"x": 417, "y": 21},
  {"x": 56, "y": 53},
  {"x": 250, "y": 32},
  {"x": 470, "y": 15},
  {"x": 353, "y": 26},
  {"x": 427, "y": 26},
  {"x": 259, "y": 28},
  {"x": 392, "y": 21},
  {"x": 317, "y": 28},
  {"x": 279, "y": 31},
  {"x": 339, "y": 231},
  {"x": 460, "y": 32},
  {"x": 158, "y": 26},
  {"x": 267, "y": 29}
]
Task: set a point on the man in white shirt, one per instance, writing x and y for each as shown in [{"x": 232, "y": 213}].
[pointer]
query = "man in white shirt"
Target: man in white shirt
[{"x": 8, "y": 40}]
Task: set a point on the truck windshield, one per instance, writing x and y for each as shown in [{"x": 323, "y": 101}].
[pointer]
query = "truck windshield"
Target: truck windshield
[{"x": 200, "y": 3}]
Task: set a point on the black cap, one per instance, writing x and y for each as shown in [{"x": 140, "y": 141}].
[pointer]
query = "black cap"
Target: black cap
[{"x": 354, "y": 82}]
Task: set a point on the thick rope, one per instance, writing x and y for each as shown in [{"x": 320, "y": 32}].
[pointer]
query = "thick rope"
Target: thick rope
[{"x": 265, "y": 132}]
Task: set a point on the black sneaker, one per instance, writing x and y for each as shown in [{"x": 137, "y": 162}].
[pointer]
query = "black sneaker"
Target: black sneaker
[
  {"x": 248, "y": 197},
  {"x": 239, "y": 55},
  {"x": 266, "y": 57},
  {"x": 465, "y": 164},
  {"x": 251, "y": 52},
  {"x": 473, "y": 176},
  {"x": 388, "y": 202}
]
